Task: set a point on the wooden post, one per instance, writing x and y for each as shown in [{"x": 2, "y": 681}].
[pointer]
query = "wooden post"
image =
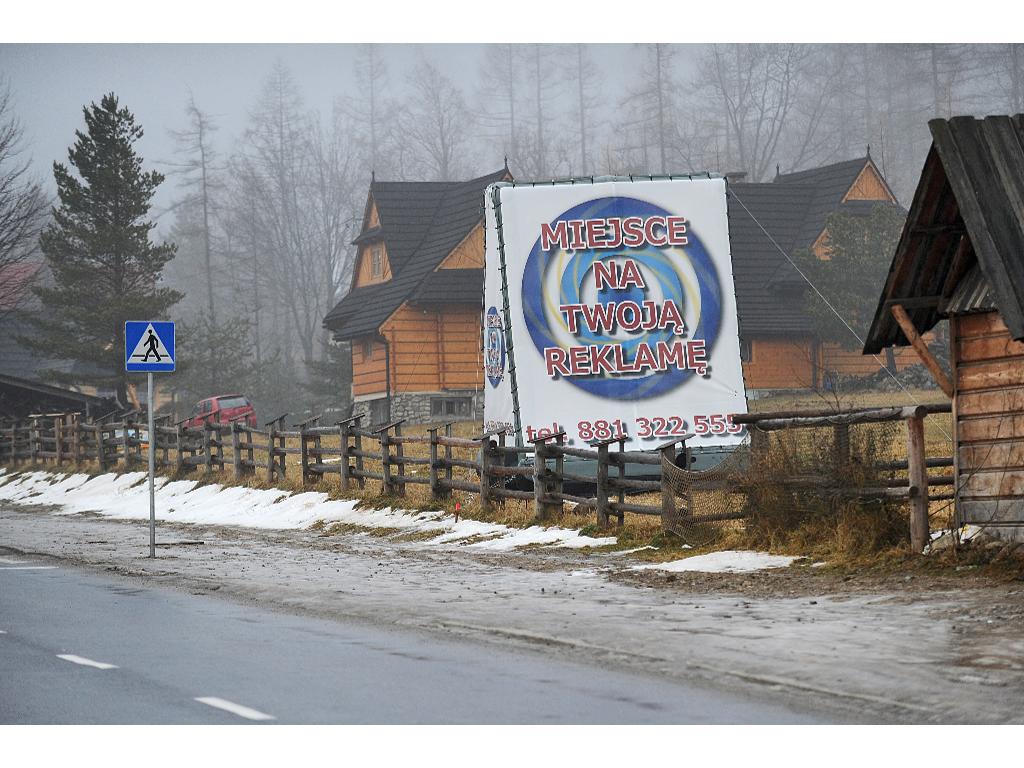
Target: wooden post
[
  {"x": 919, "y": 479},
  {"x": 557, "y": 481},
  {"x": 387, "y": 486},
  {"x": 249, "y": 450},
  {"x": 448, "y": 459},
  {"x": 101, "y": 449},
  {"x": 179, "y": 449},
  {"x": 58, "y": 438},
  {"x": 602, "y": 484},
  {"x": 207, "y": 454},
  {"x": 485, "y": 475},
  {"x": 841, "y": 448},
  {"x": 621, "y": 517},
  {"x": 125, "y": 444},
  {"x": 540, "y": 469},
  {"x": 668, "y": 501},
  {"x": 359, "y": 450},
  {"x": 282, "y": 456},
  {"x": 219, "y": 432},
  {"x": 343, "y": 442},
  {"x": 236, "y": 449},
  {"x": 435, "y": 486},
  {"x": 33, "y": 441},
  {"x": 76, "y": 440},
  {"x": 399, "y": 455},
  {"x": 304, "y": 455},
  {"x": 14, "y": 442},
  {"x": 271, "y": 462},
  {"x": 500, "y": 458}
]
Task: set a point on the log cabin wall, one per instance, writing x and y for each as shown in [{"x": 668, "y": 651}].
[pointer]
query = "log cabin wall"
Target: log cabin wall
[
  {"x": 989, "y": 418},
  {"x": 368, "y": 366},
  {"x": 780, "y": 364}
]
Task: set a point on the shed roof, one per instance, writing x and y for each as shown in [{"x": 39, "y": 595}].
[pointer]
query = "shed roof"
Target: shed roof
[
  {"x": 421, "y": 222},
  {"x": 968, "y": 210}
]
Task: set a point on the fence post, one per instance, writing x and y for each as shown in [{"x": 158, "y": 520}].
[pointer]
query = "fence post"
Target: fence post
[
  {"x": 76, "y": 440},
  {"x": 303, "y": 455},
  {"x": 236, "y": 449},
  {"x": 448, "y": 459},
  {"x": 207, "y": 454},
  {"x": 282, "y": 456},
  {"x": 271, "y": 464},
  {"x": 668, "y": 502},
  {"x": 125, "y": 447},
  {"x": 343, "y": 442},
  {"x": 357, "y": 421},
  {"x": 435, "y": 486},
  {"x": 387, "y": 486},
  {"x": 58, "y": 439},
  {"x": 485, "y": 476},
  {"x": 14, "y": 442},
  {"x": 249, "y": 456},
  {"x": 539, "y": 470},
  {"x": 34, "y": 440},
  {"x": 841, "y": 439},
  {"x": 557, "y": 481},
  {"x": 179, "y": 439},
  {"x": 500, "y": 456},
  {"x": 918, "y": 479},
  {"x": 101, "y": 448},
  {"x": 602, "y": 483},
  {"x": 399, "y": 456}
]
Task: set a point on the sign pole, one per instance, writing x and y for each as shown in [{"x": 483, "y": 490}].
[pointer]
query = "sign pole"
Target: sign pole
[{"x": 152, "y": 468}]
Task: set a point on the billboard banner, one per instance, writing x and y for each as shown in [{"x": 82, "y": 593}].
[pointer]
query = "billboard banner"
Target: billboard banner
[{"x": 610, "y": 312}]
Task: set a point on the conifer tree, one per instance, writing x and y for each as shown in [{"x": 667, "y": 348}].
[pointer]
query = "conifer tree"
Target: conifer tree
[{"x": 105, "y": 269}]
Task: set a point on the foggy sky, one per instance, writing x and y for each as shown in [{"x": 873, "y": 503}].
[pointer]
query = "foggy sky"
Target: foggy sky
[{"x": 51, "y": 83}]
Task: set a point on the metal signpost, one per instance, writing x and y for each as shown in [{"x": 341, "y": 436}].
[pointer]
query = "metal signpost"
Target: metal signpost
[{"x": 149, "y": 348}]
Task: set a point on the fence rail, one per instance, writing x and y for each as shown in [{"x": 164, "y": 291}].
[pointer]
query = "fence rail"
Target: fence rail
[{"x": 64, "y": 439}]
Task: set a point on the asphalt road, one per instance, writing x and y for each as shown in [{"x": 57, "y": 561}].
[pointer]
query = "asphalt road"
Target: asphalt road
[{"x": 83, "y": 647}]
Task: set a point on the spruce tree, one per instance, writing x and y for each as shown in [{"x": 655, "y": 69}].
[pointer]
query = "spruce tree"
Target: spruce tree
[{"x": 105, "y": 269}]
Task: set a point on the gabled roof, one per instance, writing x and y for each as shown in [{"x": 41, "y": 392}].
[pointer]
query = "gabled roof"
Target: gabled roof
[
  {"x": 421, "y": 222},
  {"x": 793, "y": 210},
  {"x": 968, "y": 210}
]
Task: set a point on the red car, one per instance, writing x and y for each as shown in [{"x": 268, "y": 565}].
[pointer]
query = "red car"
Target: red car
[{"x": 222, "y": 409}]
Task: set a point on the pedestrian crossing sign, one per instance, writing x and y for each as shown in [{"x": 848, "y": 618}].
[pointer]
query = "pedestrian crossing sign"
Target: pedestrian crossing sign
[{"x": 148, "y": 346}]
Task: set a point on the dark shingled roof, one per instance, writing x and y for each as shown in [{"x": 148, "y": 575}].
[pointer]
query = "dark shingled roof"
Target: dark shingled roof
[
  {"x": 793, "y": 209},
  {"x": 968, "y": 211},
  {"x": 446, "y": 286},
  {"x": 421, "y": 223}
]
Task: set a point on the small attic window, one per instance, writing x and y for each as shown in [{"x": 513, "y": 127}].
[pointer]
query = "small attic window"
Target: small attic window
[{"x": 376, "y": 261}]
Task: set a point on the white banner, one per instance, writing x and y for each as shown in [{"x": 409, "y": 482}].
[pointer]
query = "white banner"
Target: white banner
[{"x": 622, "y": 312}]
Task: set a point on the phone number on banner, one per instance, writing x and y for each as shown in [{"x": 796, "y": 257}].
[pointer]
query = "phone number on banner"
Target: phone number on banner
[{"x": 646, "y": 428}]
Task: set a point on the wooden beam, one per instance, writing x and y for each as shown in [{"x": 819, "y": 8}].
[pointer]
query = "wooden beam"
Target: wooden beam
[{"x": 907, "y": 326}]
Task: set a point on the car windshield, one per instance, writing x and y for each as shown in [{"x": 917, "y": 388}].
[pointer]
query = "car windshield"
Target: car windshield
[{"x": 233, "y": 402}]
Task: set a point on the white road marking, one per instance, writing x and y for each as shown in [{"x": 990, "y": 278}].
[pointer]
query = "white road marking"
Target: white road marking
[
  {"x": 27, "y": 567},
  {"x": 85, "y": 662},
  {"x": 235, "y": 709}
]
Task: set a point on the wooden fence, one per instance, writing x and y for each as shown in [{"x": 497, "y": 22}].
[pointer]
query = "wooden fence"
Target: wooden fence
[{"x": 378, "y": 453}]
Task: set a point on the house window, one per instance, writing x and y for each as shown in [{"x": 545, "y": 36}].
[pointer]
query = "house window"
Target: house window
[
  {"x": 376, "y": 261},
  {"x": 367, "y": 351},
  {"x": 746, "y": 351},
  {"x": 456, "y": 407}
]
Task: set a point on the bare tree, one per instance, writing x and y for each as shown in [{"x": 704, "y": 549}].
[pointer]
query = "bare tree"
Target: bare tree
[
  {"x": 584, "y": 81},
  {"x": 199, "y": 178},
  {"x": 437, "y": 123},
  {"x": 498, "y": 96},
  {"x": 22, "y": 207}
]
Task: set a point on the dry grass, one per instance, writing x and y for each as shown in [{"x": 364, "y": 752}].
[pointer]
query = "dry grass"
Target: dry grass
[{"x": 833, "y": 534}]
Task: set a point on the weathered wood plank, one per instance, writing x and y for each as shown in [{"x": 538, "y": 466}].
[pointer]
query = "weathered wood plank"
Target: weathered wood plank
[
  {"x": 981, "y": 511},
  {"x": 1008, "y": 427},
  {"x": 1005, "y": 454},
  {"x": 989, "y": 375},
  {"x": 992, "y": 483},
  {"x": 1007, "y": 400}
]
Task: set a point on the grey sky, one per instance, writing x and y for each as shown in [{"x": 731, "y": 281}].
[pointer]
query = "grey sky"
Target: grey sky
[{"x": 51, "y": 83}]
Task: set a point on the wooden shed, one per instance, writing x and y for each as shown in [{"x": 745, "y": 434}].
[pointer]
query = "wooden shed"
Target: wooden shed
[{"x": 961, "y": 257}]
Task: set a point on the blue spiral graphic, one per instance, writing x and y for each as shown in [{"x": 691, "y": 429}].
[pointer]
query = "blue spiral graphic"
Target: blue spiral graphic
[{"x": 661, "y": 263}]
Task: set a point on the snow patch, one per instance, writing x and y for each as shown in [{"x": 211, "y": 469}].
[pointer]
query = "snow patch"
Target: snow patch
[
  {"x": 728, "y": 561},
  {"x": 185, "y": 501}
]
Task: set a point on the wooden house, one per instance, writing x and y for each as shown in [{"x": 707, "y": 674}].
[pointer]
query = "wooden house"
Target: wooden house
[
  {"x": 413, "y": 312},
  {"x": 961, "y": 258},
  {"x": 778, "y": 341}
]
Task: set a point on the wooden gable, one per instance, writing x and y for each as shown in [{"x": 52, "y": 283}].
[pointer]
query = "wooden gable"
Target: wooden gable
[
  {"x": 369, "y": 273},
  {"x": 469, "y": 254},
  {"x": 869, "y": 185}
]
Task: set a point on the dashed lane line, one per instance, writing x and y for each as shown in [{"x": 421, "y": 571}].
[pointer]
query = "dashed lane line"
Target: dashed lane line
[
  {"x": 85, "y": 662},
  {"x": 27, "y": 567},
  {"x": 235, "y": 709}
]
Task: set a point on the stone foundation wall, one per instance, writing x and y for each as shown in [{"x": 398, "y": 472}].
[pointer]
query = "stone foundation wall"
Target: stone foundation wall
[{"x": 415, "y": 407}]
